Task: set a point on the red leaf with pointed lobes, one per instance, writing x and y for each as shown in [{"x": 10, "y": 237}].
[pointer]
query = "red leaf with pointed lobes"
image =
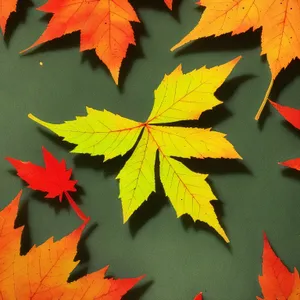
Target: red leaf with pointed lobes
[
  {"x": 277, "y": 281},
  {"x": 53, "y": 179}
]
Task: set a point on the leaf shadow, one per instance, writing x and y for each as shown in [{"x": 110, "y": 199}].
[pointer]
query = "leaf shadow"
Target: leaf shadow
[
  {"x": 225, "y": 92},
  {"x": 82, "y": 254},
  {"x": 284, "y": 78},
  {"x": 136, "y": 293},
  {"x": 64, "y": 43},
  {"x": 55, "y": 139},
  {"x": 291, "y": 173},
  {"x": 226, "y": 42},
  {"x": 291, "y": 128},
  {"x": 55, "y": 203},
  {"x": 110, "y": 167},
  {"x": 23, "y": 220},
  {"x": 16, "y": 18},
  {"x": 216, "y": 166}
]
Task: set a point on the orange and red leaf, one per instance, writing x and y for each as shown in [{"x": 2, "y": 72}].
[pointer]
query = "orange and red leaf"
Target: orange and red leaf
[
  {"x": 104, "y": 25},
  {"x": 53, "y": 179},
  {"x": 276, "y": 281},
  {"x": 44, "y": 271}
]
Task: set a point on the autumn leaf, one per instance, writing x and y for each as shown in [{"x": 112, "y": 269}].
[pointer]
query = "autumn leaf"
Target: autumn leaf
[
  {"x": 6, "y": 8},
  {"x": 292, "y": 115},
  {"x": 104, "y": 25},
  {"x": 178, "y": 97},
  {"x": 54, "y": 179},
  {"x": 279, "y": 21},
  {"x": 277, "y": 282},
  {"x": 42, "y": 274}
]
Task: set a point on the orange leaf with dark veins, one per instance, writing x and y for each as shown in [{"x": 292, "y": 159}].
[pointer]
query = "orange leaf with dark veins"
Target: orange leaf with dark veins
[
  {"x": 42, "y": 274},
  {"x": 6, "y": 8},
  {"x": 104, "y": 25},
  {"x": 53, "y": 179}
]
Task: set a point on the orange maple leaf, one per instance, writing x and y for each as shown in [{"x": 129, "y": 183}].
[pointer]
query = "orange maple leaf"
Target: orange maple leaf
[
  {"x": 104, "y": 26},
  {"x": 6, "y": 8},
  {"x": 43, "y": 272},
  {"x": 280, "y": 22},
  {"x": 277, "y": 282}
]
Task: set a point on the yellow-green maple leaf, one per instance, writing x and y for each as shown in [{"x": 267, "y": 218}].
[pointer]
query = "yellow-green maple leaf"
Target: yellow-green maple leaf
[{"x": 178, "y": 97}]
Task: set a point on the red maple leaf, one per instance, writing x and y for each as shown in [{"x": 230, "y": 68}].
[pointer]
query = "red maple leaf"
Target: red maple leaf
[
  {"x": 53, "y": 179},
  {"x": 277, "y": 281},
  {"x": 6, "y": 8}
]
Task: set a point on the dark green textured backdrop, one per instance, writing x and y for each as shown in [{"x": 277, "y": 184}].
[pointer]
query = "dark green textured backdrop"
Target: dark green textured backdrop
[{"x": 179, "y": 259}]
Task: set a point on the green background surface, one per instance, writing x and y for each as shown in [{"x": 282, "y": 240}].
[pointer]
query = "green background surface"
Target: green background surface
[{"x": 179, "y": 258}]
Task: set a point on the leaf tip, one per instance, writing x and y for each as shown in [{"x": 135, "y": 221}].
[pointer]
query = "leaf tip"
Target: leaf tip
[{"x": 33, "y": 118}]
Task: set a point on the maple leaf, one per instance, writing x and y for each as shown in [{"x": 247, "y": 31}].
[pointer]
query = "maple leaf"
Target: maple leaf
[
  {"x": 7, "y": 7},
  {"x": 178, "y": 97},
  {"x": 276, "y": 281},
  {"x": 280, "y": 28},
  {"x": 53, "y": 179},
  {"x": 104, "y": 26},
  {"x": 43, "y": 272},
  {"x": 292, "y": 115}
]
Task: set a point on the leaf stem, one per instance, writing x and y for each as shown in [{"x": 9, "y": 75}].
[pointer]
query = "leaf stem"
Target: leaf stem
[
  {"x": 257, "y": 116},
  {"x": 77, "y": 210}
]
